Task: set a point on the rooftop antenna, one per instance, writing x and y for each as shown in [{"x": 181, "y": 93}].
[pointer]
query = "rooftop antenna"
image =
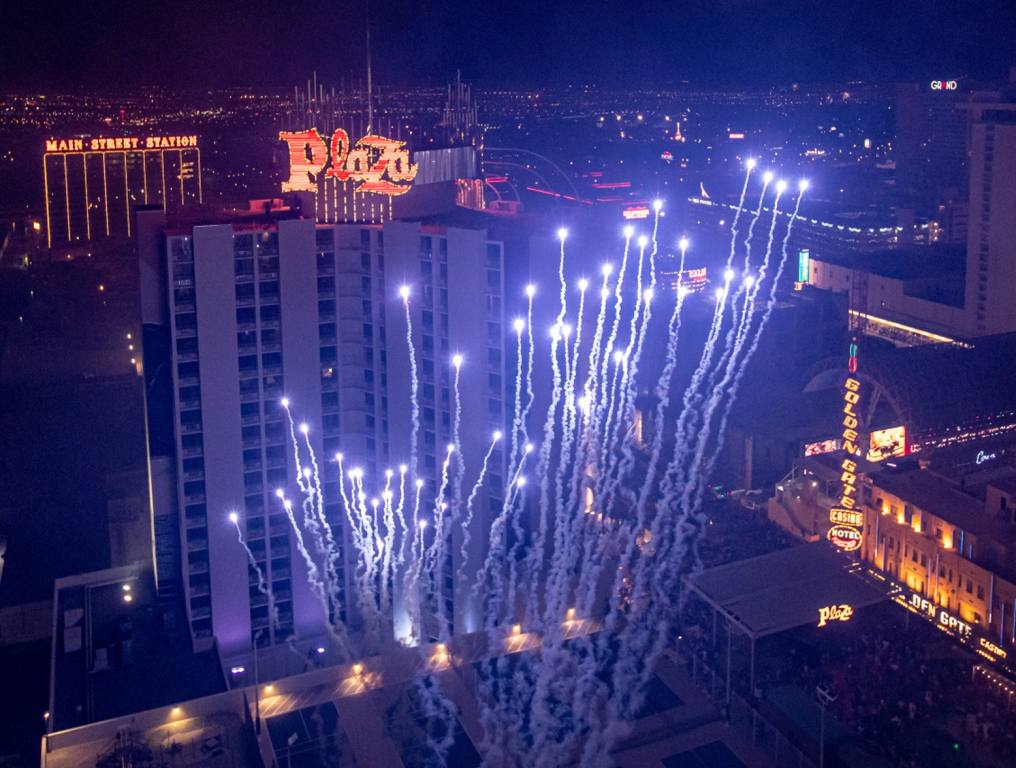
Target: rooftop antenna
[{"x": 370, "y": 82}]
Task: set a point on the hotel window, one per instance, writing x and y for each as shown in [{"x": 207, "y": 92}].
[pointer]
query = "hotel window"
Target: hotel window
[
  {"x": 970, "y": 586},
  {"x": 980, "y": 592}
]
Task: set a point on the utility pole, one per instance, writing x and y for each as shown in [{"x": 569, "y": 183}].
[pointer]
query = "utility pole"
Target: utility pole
[{"x": 825, "y": 698}]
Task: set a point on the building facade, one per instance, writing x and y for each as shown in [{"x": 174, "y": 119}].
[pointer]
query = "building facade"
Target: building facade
[{"x": 252, "y": 312}]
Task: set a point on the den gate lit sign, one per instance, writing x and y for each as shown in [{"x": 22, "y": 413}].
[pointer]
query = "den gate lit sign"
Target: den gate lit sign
[
  {"x": 121, "y": 143},
  {"x": 945, "y": 619},
  {"x": 842, "y": 612},
  {"x": 944, "y": 85},
  {"x": 374, "y": 163}
]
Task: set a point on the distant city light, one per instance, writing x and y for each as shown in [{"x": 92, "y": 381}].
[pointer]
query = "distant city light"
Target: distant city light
[
  {"x": 562, "y": 234},
  {"x": 750, "y": 163},
  {"x": 457, "y": 360},
  {"x": 683, "y": 243},
  {"x": 629, "y": 230},
  {"x": 781, "y": 185},
  {"x": 404, "y": 292}
]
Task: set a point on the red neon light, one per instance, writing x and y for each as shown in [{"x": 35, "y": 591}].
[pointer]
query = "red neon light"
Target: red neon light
[
  {"x": 846, "y": 538},
  {"x": 367, "y": 162},
  {"x": 612, "y": 185},
  {"x": 642, "y": 212},
  {"x": 307, "y": 156},
  {"x": 496, "y": 179}
]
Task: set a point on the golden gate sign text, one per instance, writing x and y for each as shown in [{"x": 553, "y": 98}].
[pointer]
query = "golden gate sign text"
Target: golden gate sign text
[
  {"x": 847, "y": 518},
  {"x": 375, "y": 164}
]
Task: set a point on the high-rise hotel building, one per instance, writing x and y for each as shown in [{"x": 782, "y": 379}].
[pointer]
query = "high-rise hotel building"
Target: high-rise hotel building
[
  {"x": 91, "y": 184},
  {"x": 238, "y": 314}
]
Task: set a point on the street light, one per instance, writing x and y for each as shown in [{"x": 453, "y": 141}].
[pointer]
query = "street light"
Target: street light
[{"x": 825, "y": 698}]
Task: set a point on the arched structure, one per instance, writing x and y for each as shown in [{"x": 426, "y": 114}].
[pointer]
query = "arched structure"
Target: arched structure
[{"x": 944, "y": 395}]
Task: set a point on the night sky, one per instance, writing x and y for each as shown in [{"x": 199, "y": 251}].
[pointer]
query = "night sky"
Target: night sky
[{"x": 58, "y": 45}]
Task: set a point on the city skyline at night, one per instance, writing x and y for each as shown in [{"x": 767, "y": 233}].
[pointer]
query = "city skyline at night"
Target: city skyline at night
[{"x": 590, "y": 384}]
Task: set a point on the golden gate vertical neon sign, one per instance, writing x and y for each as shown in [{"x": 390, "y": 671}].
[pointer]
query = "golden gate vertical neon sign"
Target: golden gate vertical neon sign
[
  {"x": 847, "y": 518},
  {"x": 374, "y": 164}
]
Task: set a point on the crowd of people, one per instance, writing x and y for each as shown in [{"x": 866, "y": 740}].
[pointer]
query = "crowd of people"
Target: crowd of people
[{"x": 904, "y": 689}]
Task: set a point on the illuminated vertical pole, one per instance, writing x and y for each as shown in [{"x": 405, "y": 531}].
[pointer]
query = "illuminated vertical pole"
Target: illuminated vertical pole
[
  {"x": 105, "y": 193},
  {"x": 201, "y": 191},
  {"x": 162, "y": 165},
  {"x": 88, "y": 207},
  {"x": 144, "y": 174},
  {"x": 126, "y": 195},
  {"x": 67, "y": 200},
  {"x": 45, "y": 184},
  {"x": 180, "y": 174}
]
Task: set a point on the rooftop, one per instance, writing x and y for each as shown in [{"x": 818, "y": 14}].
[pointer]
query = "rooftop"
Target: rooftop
[
  {"x": 937, "y": 496},
  {"x": 784, "y": 589}
]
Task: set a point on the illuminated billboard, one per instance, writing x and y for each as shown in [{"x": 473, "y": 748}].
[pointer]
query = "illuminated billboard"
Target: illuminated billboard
[
  {"x": 803, "y": 265},
  {"x": 822, "y": 446},
  {"x": 886, "y": 443},
  {"x": 944, "y": 85},
  {"x": 91, "y": 183}
]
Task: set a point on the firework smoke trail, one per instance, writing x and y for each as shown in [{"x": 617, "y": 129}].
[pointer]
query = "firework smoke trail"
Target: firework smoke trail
[
  {"x": 535, "y": 559},
  {"x": 313, "y": 578},
  {"x": 616, "y": 409},
  {"x": 695, "y": 458},
  {"x": 388, "y": 516},
  {"x": 530, "y": 394},
  {"x": 649, "y": 646},
  {"x": 434, "y": 557},
  {"x": 562, "y": 235},
  {"x": 749, "y": 167},
  {"x": 519, "y": 325},
  {"x": 563, "y": 512},
  {"x": 414, "y": 381},
  {"x": 331, "y": 552},
  {"x": 629, "y": 390},
  {"x": 743, "y": 367},
  {"x": 602, "y": 394},
  {"x": 738, "y": 318},
  {"x": 767, "y": 178},
  {"x": 273, "y": 611},
  {"x": 309, "y": 489},
  {"x": 471, "y": 499},
  {"x": 400, "y": 514},
  {"x": 662, "y": 390}
]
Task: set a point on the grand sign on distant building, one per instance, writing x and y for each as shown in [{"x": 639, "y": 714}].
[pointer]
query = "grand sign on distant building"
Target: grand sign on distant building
[
  {"x": 944, "y": 85},
  {"x": 373, "y": 164}
]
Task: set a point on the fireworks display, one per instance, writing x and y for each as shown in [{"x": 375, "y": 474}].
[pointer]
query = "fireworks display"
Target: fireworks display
[{"x": 595, "y": 533}]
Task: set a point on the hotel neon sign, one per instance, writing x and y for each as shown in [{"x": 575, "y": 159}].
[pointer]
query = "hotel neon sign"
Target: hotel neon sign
[
  {"x": 847, "y": 518},
  {"x": 842, "y": 612},
  {"x": 374, "y": 163}
]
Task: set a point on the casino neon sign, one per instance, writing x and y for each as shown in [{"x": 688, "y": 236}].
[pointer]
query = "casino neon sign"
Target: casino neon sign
[
  {"x": 374, "y": 163},
  {"x": 842, "y": 612},
  {"x": 847, "y": 519},
  {"x": 944, "y": 85}
]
